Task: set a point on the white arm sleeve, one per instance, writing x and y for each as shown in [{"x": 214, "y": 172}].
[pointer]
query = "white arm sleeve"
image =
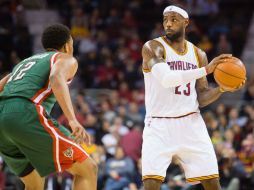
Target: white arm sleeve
[{"x": 169, "y": 78}]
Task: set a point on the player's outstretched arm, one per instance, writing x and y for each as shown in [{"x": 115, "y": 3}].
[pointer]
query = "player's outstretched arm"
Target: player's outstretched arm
[
  {"x": 63, "y": 70},
  {"x": 152, "y": 53},
  {"x": 3, "y": 81}
]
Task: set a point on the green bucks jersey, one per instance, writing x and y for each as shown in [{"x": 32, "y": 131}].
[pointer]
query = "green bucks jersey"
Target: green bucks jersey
[{"x": 30, "y": 79}]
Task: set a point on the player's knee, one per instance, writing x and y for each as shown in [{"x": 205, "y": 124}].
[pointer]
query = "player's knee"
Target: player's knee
[
  {"x": 91, "y": 168},
  {"x": 87, "y": 169},
  {"x": 152, "y": 184},
  {"x": 212, "y": 184}
]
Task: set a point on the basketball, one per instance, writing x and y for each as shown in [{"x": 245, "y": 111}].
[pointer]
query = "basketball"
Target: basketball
[{"x": 231, "y": 73}]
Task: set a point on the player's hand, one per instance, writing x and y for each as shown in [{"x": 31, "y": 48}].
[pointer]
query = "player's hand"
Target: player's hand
[
  {"x": 229, "y": 89},
  {"x": 79, "y": 134},
  {"x": 217, "y": 60}
]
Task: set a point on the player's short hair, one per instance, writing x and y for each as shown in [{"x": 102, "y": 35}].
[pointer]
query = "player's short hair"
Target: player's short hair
[{"x": 55, "y": 36}]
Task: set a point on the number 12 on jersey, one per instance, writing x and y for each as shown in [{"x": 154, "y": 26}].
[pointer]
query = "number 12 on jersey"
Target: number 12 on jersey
[
  {"x": 20, "y": 72},
  {"x": 185, "y": 91}
]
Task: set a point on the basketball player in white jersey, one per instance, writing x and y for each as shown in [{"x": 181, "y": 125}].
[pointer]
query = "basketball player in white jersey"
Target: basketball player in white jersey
[{"x": 175, "y": 87}]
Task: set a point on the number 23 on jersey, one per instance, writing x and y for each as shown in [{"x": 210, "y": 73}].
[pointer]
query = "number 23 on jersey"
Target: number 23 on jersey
[{"x": 183, "y": 89}]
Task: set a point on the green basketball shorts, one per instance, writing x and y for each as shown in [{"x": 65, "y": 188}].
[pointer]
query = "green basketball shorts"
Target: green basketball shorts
[{"x": 30, "y": 139}]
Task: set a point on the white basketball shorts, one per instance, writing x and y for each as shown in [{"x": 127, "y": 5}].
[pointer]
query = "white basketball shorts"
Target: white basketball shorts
[{"x": 185, "y": 137}]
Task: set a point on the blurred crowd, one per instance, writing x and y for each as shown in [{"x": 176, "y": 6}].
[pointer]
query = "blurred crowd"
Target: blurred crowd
[{"x": 108, "y": 92}]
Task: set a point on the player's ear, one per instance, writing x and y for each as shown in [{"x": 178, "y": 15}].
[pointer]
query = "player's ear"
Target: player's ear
[
  {"x": 65, "y": 48},
  {"x": 186, "y": 22}
]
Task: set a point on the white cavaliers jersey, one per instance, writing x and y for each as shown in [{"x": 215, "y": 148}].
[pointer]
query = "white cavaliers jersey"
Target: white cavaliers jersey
[{"x": 174, "y": 101}]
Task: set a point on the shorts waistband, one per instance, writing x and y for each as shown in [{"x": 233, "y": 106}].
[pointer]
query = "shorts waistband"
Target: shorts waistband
[{"x": 158, "y": 117}]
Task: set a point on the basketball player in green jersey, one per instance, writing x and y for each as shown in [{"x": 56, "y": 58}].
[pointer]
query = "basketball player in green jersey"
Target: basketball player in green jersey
[{"x": 32, "y": 143}]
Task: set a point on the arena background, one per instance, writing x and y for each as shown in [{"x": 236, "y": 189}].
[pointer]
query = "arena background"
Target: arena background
[{"x": 108, "y": 91}]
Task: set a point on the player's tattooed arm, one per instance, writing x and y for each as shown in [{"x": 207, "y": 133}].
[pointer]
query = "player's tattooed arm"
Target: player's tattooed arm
[
  {"x": 3, "y": 81},
  {"x": 206, "y": 94},
  {"x": 152, "y": 53},
  {"x": 154, "y": 61}
]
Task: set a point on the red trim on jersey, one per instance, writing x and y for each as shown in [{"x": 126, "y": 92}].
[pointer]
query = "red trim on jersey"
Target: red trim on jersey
[
  {"x": 55, "y": 57},
  {"x": 51, "y": 134},
  {"x": 52, "y": 62},
  {"x": 40, "y": 92},
  {"x": 45, "y": 96}
]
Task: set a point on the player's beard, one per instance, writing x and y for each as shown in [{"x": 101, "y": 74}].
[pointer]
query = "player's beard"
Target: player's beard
[{"x": 176, "y": 36}]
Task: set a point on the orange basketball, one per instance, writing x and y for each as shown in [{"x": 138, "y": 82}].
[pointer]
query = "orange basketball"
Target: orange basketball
[{"x": 230, "y": 73}]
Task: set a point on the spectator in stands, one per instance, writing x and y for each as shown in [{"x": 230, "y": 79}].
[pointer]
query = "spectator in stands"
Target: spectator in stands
[
  {"x": 223, "y": 45},
  {"x": 246, "y": 155},
  {"x": 114, "y": 99},
  {"x": 220, "y": 113},
  {"x": 193, "y": 32},
  {"x": 110, "y": 141},
  {"x": 79, "y": 25},
  {"x": 216, "y": 137},
  {"x": 91, "y": 123},
  {"x": 234, "y": 118},
  {"x": 81, "y": 109},
  {"x": 211, "y": 122},
  {"x": 231, "y": 171},
  {"x": 132, "y": 143},
  {"x": 124, "y": 91},
  {"x": 195, "y": 7},
  {"x": 14, "y": 58},
  {"x": 106, "y": 74},
  {"x": 107, "y": 112},
  {"x": 249, "y": 111},
  {"x": 228, "y": 138},
  {"x": 130, "y": 73},
  {"x": 135, "y": 45},
  {"x": 95, "y": 22},
  {"x": 129, "y": 20},
  {"x": 87, "y": 45},
  {"x": 205, "y": 44},
  {"x": 119, "y": 127},
  {"x": 238, "y": 136},
  {"x": 122, "y": 112},
  {"x": 113, "y": 23},
  {"x": 120, "y": 170},
  {"x": 101, "y": 131},
  {"x": 210, "y": 7},
  {"x": 249, "y": 93},
  {"x": 157, "y": 31},
  {"x": 133, "y": 113},
  {"x": 220, "y": 110},
  {"x": 79, "y": 18}
]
